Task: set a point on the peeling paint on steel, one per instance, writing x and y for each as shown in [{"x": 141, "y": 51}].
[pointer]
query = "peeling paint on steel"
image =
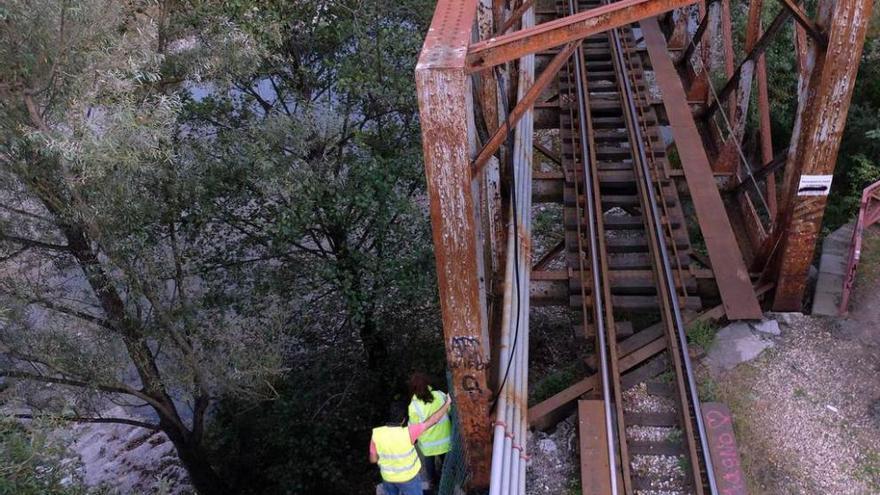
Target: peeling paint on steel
[{"x": 819, "y": 127}]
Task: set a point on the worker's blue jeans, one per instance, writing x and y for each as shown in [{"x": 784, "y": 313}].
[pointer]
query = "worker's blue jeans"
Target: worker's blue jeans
[{"x": 411, "y": 487}]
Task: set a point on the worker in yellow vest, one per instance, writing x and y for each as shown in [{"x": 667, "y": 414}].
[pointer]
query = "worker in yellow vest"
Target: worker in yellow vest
[
  {"x": 393, "y": 448},
  {"x": 435, "y": 442}
]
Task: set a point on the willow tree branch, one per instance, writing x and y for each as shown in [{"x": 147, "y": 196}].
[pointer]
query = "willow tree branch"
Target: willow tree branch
[
  {"x": 83, "y": 419},
  {"x": 34, "y": 243}
]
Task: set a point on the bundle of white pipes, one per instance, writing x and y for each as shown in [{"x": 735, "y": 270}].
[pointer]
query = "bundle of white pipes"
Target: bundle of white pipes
[{"x": 508, "y": 475}]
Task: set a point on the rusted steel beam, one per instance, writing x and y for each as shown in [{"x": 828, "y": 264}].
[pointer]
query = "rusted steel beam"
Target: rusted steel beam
[
  {"x": 800, "y": 46},
  {"x": 734, "y": 284},
  {"x": 763, "y": 173},
  {"x": 544, "y": 36},
  {"x": 727, "y": 41},
  {"x": 766, "y": 133},
  {"x": 491, "y": 205},
  {"x": 804, "y": 20},
  {"x": 523, "y": 106},
  {"x": 738, "y": 107},
  {"x": 516, "y": 16},
  {"x": 548, "y": 153},
  {"x": 593, "y": 441},
  {"x": 823, "y": 107},
  {"x": 487, "y": 83},
  {"x": 807, "y": 54},
  {"x": 498, "y": 7},
  {"x": 752, "y": 222},
  {"x": 446, "y": 112},
  {"x": 549, "y": 256},
  {"x": 749, "y": 61},
  {"x": 685, "y": 57}
]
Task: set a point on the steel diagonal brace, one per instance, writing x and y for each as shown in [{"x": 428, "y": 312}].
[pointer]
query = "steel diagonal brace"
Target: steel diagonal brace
[
  {"x": 753, "y": 55},
  {"x": 508, "y": 47},
  {"x": 697, "y": 38},
  {"x": 801, "y": 17},
  {"x": 516, "y": 16},
  {"x": 522, "y": 107}
]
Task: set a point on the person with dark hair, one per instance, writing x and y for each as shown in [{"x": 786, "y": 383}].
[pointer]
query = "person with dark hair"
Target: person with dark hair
[
  {"x": 436, "y": 441},
  {"x": 392, "y": 447}
]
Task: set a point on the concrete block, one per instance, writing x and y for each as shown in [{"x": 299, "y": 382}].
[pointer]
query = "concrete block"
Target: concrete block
[
  {"x": 787, "y": 318},
  {"x": 831, "y": 263},
  {"x": 735, "y": 344},
  {"x": 831, "y": 283},
  {"x": 767, "y": 326},
  {"x": 825, "y": 305}
]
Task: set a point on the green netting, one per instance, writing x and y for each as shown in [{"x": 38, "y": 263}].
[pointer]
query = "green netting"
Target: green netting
[{"x": 455, "y": 471}]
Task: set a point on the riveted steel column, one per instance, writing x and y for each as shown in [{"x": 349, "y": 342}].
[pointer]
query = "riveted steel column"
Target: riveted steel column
[
  {"x": 448, "y": 138},
  {"x": 824, "y": 103}
]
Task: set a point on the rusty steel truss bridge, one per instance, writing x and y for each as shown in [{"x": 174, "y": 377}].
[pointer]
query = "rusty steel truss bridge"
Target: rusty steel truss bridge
[{"x": 617, "y": 116}]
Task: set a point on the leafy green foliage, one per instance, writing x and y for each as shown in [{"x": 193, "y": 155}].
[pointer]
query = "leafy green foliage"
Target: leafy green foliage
[
  {"x": 31, "y": 462},
  {"x": 243, "y": 187},
  {"x": 702, "y": 333}
]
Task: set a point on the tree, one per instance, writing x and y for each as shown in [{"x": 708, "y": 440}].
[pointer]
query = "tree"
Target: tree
[
  {"x": 103, "y": 246},
  {"x": 330, "y": 121},
  {"x": 32, "y": 461},
  {"x": 206, "y": 205},
  {"x": 326, "y": 132}
]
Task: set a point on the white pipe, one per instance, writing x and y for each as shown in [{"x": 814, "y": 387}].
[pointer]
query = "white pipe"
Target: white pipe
[
  {"x": 508, "y": 467},
  {"x": 525, "y": 137},
  {"x": 503, "y": 357}
]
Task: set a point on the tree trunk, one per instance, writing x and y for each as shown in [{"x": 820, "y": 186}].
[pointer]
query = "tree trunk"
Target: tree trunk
[
  {"x": 188, "y": 444},
  {"x": 374, "y": 344},
  {"x": 202, "y": 475}
]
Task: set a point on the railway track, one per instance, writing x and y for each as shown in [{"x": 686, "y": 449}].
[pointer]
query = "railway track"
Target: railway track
[{"x": 627, "y": 252}]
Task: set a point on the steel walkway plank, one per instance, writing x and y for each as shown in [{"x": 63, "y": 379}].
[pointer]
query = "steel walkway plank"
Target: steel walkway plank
[
  {"x": 593, "y": 448},
  {"x": 731, "y": 275}
]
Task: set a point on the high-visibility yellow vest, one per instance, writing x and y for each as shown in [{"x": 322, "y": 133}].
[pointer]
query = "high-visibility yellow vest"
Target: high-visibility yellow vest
[
  {"x": 436, "y": 440},
  {"x": 398, "y": 461}
]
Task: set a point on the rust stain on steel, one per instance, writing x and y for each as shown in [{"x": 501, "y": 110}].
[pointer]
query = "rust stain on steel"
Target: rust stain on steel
[
  {"x": 522, "y": 107},
  {"x": 819, "y": 126},
  {"x": 752, "y": 222},
  {"x": 679, "y": 37},
  {"x": 806, "y": 23},
  {"x": 516, "y": 16},
  {"x": 740, "y": 109},
  {"x": 727, "y": 41},
  {"x": 593, "y": 441},
  {"x": 446, "y": 111},
  {"x": 488, "y": 84},
  {"x": 734, "y": 284},
  {"x": 761, "y": 45},
  {"x": 766, "y": 133},
  {"x": 547, "y": 35}
]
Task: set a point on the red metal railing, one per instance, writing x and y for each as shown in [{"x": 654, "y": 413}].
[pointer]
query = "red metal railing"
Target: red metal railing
[{"x": 869, "y": 214}]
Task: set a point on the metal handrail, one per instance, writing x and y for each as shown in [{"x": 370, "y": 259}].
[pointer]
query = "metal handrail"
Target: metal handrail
[{"x": 869, "y": 214}]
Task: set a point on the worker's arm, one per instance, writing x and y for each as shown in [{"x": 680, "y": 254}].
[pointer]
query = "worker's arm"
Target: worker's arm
[
  {"x": 413, "y": 416},
  {"x": 437, "y": 416},
  {"x": 374, "y": 456}
]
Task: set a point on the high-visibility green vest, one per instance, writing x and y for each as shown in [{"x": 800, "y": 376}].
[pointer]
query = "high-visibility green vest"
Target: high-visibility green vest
[
  {"x": 398, "y": 461},
  {"x": 436, "y": 440}
]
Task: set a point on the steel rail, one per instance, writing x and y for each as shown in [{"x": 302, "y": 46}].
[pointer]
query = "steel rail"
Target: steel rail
[
  {"x": 665, "y": 268},
  {"x": 598, "y": 295},
  {"x": 653, "y": 160},
  {"x": 657, "y": 236},
  {"x": 608, "y": 307}
]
